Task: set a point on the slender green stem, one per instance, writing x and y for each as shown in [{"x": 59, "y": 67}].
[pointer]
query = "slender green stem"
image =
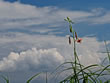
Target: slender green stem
[
  {"x": 107, "y": 51},
  {"x": 46, "y": 78}
]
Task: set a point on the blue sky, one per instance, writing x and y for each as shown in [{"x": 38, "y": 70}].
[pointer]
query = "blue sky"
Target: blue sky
[
  {"x": 68, "y": 4},
  {"x": 33, "y": 34},
  {"x": 73, "y": 5}
]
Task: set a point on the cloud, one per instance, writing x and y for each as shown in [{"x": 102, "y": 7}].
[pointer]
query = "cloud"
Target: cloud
[
  {"x": 25, "y": 18},
  {"x": 25, "y": 52},
  {"x": 47, "y": 51},
  {"x": 101, "y": 16},
  {"x": 35, "y": 53},
  {"x": 45, "y": 60},
  {"x": 22, "y": 16},
  {"x": 104, "y": 19}
]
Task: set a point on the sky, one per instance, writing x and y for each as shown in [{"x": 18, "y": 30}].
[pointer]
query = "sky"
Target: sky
[{"x": 33, "y": 35}]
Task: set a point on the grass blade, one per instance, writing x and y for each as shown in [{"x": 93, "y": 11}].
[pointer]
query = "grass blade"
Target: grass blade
[
  {"x": 5, "y": 78},
  {"x": 28, "y": 81}
]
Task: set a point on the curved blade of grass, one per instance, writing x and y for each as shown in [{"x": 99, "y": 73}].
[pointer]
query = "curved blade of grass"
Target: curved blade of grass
[
  {"x": 6, "y": 79},
  {"x": 107, "y": 51},
  {"x": 108, "y": 81},
  {"x": 84, "y": 72},
  {"x": 77, "y": 72},
  {"x": 92, "y": 79},
  {"x": 103, "y": 70},
  {"x": 66, "y": 68},
  {"x": 28, "y": 81},
  {"x": 108, "y": 69},
  {"x": 64, "y": 64},
  {"x": 94, "y": 65},
  {"x": 104, "y": 60},
  {"x": 97, "y": 72}
]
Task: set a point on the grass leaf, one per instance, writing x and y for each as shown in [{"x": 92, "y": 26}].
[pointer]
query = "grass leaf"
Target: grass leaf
[
  {"x": 28, "y": 81},
  {"x": 5, "y": 78}
]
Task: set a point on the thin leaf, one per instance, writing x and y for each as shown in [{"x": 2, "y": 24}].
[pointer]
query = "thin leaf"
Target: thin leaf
[
  {"x": 6, "y": 79},
  {"x": 28, "y": 81}
]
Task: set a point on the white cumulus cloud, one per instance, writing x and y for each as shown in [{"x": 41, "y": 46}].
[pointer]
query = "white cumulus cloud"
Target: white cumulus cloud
[{"x": 43, "y": 59}]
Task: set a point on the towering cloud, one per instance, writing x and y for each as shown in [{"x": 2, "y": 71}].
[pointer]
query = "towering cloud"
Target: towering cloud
[{"x": 41, "y": 59}]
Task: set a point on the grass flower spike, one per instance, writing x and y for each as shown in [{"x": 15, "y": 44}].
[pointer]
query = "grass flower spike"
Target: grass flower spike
[
  {"x": 79, "y": 40},
  {"x": 69, "y": 40}
]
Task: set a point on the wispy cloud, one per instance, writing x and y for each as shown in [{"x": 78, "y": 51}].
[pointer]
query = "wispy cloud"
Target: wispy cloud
[
  {"x": 104, "y": 19},
  {"x": 27, "y": 18},
  {"x": 17, "y": 15}
]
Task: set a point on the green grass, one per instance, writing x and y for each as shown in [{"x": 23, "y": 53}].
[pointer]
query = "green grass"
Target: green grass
[
  {"x": 31, "y": 78},
  {"x": 81, "y": 74},
  {"x": 5, "y": 78}
]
